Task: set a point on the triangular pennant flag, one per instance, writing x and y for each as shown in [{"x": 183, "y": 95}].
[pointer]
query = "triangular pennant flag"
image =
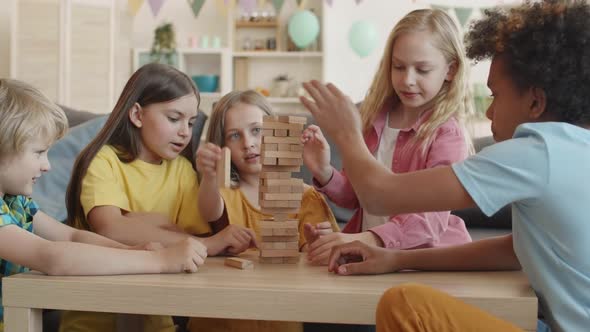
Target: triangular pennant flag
[
  {"x": 155, "y": 6},
  {"x": 300, "y": 4},
  {"x": 247, "y": 6},
  {"x": 463, "y": 14},
  {"x": 261, "y": 3},
  {"x": 196, "y": 6},
  {"x": 134, "y": 6},
  {"x": 222, "y": 6},
  {"x": 358, "y": 2},
  {"x": 329, "y": 2},
  {"x": 278, "y": 4}
]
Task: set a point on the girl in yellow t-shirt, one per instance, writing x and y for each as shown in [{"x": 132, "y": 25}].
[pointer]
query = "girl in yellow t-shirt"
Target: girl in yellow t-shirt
[
  {"x": 133, "y": 184},
  {"x": 236, "y": 122}
]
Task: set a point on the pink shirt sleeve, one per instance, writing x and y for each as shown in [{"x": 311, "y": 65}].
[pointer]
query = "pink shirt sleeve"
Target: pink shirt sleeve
[
  {"x": 339, "y": 190},
  {"x": 430, "y": 228}
]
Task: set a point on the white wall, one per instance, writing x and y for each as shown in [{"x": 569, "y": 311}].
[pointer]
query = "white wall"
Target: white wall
[
  {"x": 4, "y": 41},
  {"x": 353, "y": 74}
]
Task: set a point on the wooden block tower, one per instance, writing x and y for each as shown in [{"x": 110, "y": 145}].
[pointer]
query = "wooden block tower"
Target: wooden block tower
[{"x": 280, "y": 194}]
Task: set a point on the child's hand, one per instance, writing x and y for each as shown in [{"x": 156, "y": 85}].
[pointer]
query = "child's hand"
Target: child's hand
[
  {"x": 206, "y": 159},
  {"x": 319, "y": 250},
  {"x": 184, "y": 256},
  {"x": 316, "y": 154},
  {"x": 235, "y": 239},
  {"x": 313, "y": 232},
  {"x": 360, "y": 258}
]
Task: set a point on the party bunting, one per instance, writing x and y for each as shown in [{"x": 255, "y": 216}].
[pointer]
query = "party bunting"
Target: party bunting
[
  {"x": 134, "y": 6},
  {"x": 329, "y": 2},
  {"x": 155, "y": 6},
  {"x": 463, "y": 14},
  {"x": 196, "y": 6},
  {"x": 358, "y": 2},
  {"x": 278, "y": 4},
  {"x": 300, "y": 3}
]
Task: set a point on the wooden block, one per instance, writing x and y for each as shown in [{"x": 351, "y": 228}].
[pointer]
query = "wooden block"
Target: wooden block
[
  {"x": 274, "y": 175},
  {"x": 296, "y": 147},
  {"x": 271, "y": 260},
  {"x": 239, "y": 263},
  {"x": 284, "y": 189},
  {"x": 270, "y": 118},
  {"x": 280, "y": 245},
  {"x": 285, "y": 140},
  {"x": 268, "y": 132},
  {"x": 290, "y": 223},
  {"x": 274, "y": 238},
  {"x": 277, "y": 211},
  {"x": 282, "y": 231},
  {"x": 294, "y": 204},
  {"x": 291, "y": 260},
  {"x": 282, "y": 197},
  {"x": 279, "y": 252},
  {"x": 266, "y": 232},
  {"x": 270, "y": 168},
  {"x": 281, "y": 126},
  {"x": 284, "y": 147},
  {"x": 223, "y": 168},
  {"x": 283, "y": 182},
  {"x": 281, "y": 154},
  {"x": 281, "y": 132},
  {"x": 292, "y": 119},
  {"x": 269, "y": 161},
  {"x": 290, "y": 161},
  {"x": 270, "y": 147},
  {"x": 280, "y": 216},
  {"x": 270, "y": 189}
]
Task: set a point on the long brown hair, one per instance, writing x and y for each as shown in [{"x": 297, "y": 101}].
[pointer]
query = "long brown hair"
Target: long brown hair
[
  {"x": 454, "y": 98},
  {"x": 216, "y": 130},
  {"x": 150, "y": 84}
]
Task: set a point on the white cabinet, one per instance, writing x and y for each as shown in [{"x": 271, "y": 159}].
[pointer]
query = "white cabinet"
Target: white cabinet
[{"x": 70, "y": 49}]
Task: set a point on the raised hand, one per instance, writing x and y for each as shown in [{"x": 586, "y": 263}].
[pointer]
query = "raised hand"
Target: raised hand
[
  {"x": 207, "y": 157},
  {"x": 333, "y": 111},
  {"x": 316, "y": 154},
  {"x": 360, "y": 258},
  {"x": 185, "y": 256}
]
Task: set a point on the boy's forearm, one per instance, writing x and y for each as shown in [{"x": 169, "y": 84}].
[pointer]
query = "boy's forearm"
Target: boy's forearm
[
  {"x": 71, "y": 258},
  {"x": 495, "y": 253}
]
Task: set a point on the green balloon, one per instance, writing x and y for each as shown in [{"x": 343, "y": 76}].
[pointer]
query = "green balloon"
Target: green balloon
[
  {"x": 303, "y": 28},
  {"x": 362, "y": 38}
]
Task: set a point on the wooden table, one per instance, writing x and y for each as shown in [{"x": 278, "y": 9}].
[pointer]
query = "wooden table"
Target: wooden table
[{"x": 268, "y": 292}]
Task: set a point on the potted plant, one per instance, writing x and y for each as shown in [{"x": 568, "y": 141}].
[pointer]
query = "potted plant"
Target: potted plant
[{"x": 164, "y": 45}]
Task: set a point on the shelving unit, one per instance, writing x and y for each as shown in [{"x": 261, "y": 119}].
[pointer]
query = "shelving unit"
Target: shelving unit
[
  {"x": 197, "y": 61},
  {"x": 254, "y": 69}
]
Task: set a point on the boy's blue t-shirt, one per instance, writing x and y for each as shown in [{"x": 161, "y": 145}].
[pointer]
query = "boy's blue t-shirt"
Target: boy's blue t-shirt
[
  {"x": 19, "y": 211},
  {"x": 543, "y": 172}
]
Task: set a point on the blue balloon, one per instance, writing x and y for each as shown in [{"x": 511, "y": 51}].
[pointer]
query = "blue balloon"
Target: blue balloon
[
  {"x": 362, "y": 38},
  {"x": 303, "y": 28}
]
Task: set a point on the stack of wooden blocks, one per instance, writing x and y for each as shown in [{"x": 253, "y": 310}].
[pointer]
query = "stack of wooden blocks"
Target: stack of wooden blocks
[{"x": 280, "y": 193}]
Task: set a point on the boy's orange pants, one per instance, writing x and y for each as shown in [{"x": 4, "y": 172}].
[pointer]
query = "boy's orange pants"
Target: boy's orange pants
[{"x": 413, "y": 307}]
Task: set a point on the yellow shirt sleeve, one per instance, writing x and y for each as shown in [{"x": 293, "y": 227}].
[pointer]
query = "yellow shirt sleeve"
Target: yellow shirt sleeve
[
  {"x": 102, "y": 185},
  {"x": 314, "y": 210}
]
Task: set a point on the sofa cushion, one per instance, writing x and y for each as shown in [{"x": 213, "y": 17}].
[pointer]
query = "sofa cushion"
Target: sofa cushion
[{"x": 50, "y": 190}]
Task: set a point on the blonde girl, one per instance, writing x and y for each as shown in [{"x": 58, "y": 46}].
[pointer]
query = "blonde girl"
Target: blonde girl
[
  {"x": 236, "y": 122},
  {"x": 411, "y": 120}
]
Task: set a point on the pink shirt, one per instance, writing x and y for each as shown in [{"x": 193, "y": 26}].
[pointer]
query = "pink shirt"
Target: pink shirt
[{"x": 405, "y": 231}]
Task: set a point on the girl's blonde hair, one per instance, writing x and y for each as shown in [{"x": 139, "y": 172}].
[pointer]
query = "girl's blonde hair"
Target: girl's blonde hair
[
  {"x": 453, "y": 99},
  {"x": 151, "y": 84},
  {"x": 216, "y": 130},
  {"x": 27, "y": 114}
]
